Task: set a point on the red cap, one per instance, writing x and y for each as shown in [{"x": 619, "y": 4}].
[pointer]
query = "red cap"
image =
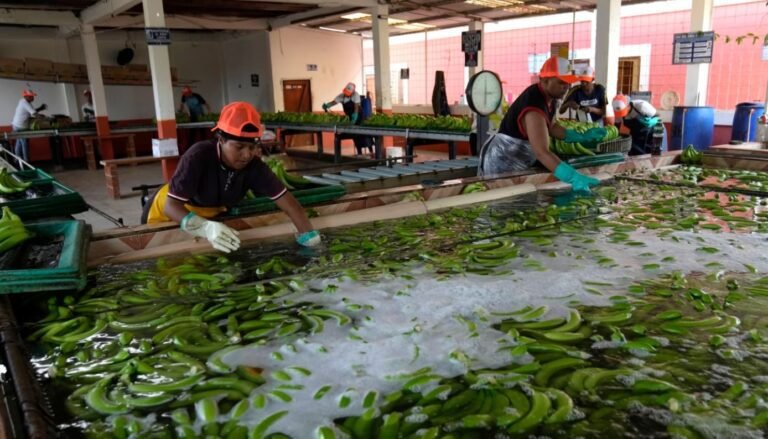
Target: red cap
[
  {"x": 349, "y": 89},
  {"x": 560, "y": 68},
  {"x": 237, "y": 116},
  {"x": 28, "y": 94},
  {"x": 186, "y": 91},
  {"x": 620, "y": 105}
]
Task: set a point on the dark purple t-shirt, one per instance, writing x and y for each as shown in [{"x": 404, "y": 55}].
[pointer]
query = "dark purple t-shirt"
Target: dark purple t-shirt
[{"x": 202, "y": 180}]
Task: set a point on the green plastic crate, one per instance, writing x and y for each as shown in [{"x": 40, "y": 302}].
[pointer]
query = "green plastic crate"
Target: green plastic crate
[
  {"x": 33, "y": 176},
  {"x": 56, "y": 200},
  {"x": 306, "y": 197},
  {"x": 71, "y": 269}
]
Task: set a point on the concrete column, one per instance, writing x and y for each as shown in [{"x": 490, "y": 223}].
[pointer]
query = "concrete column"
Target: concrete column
[
  {"x": 380, "y": 16},
  {"x": 473, "y": 26},
  {"x": 697, "y": 75},
  {"x": 607, "y": 46},
  {"x": 162, "y": 87},
  {"x": 96, "y": 84}
]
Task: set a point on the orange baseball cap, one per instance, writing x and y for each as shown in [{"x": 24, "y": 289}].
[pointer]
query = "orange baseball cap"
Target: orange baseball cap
[
  {"x": 620, "y": 106},
  {"x": 560, "y": 68},
  {"x": 349, "y": 89},
  {"x": 28, "y": 94},
  {"x": 239, "y": 119},
  {"x": 186, "y": 91}
]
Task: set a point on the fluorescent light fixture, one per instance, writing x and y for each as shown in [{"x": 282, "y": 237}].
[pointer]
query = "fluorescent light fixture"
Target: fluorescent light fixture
[
  {"x": 356, "y": 16},
  {"x": 415, "y": 26},
  {"x": 332, "y": 29},
  {"x": 494, "y": 3}
]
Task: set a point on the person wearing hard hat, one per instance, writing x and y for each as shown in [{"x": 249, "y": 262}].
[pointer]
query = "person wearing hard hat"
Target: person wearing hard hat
[
  {"x": 588, "y": 99},
  {"x": 641, "y": 118},
  {"x": 24, "y": 110},
  {"x": 89, "y": 115},
  {"x": 524, "y": 134},
  {"x": 194, "y": 105},
  {"x": 214, "y": 175},
  {"x": 351, "y": 103}
]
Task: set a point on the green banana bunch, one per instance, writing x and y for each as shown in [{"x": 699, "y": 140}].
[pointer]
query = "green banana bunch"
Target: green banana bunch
[
  {"x": 291, "y": 182},
  {"x": 474, "y": 187},
  {"x": 691, "y": 156},
  {"x": 12, "y": 230},
  {"x": 9, "y": 185},
  {"x": 563, "y": 148}
]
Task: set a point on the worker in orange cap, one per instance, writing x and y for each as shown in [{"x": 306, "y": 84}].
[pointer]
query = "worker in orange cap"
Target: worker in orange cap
[
  {"x": 215, "y": 175},
  {"x": 587, "y": 100},
  {"x": 194, "y": 105},
  {"x": 89, "y": 115},
  {"x": 642, "y": 120},
  {"x": 24, "y": 110},
  {"x": 351, "y": 103},
  {"x": 523, "y": 137}
]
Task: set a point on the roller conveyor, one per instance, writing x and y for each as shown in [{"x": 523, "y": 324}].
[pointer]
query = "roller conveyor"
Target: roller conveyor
[{"x": 397, "y": 175}]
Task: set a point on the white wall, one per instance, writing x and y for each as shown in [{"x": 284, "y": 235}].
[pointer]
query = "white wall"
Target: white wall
[
  {"x": 197, "y": 58},
  {"x": 242, "y": 56},
  {"x": 338, "y": 57}
]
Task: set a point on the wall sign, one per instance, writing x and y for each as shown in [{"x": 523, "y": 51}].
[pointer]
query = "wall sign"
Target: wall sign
[
  {"x": 405, "y": 73},
  {"x": 158, "y": 36},
  {"x": 559, "y": 49},
  {"x": 254, "y": 80},
  {"x": 693, "y": 48},
  {"x": 311, "y": 67},
  {"x": 471, "y": 44}
]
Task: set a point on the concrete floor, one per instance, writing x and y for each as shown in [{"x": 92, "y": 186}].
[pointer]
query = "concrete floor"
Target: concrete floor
[{"x": 91, "y": 185}]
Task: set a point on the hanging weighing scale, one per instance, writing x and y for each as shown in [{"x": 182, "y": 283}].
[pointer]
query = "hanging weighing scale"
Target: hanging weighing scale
[{"x": 483, "y": 93}]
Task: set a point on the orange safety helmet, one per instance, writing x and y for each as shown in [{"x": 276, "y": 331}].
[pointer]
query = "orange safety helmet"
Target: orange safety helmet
[
  {"x": 560, "y": 68},
  {"x": 620, "y": 106},
  {"x": 349, "y": 89},
  {"x": 28, "y": 93},
  {"x": 186, "y": 91},
  {"x": 239, "y": 119},
  {"x": 587, "y": 74}
]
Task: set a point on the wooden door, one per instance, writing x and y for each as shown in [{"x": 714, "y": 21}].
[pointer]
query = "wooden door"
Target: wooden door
[
  {"x": 629, "y": 75},
  {"x": 297, "y": 98}
]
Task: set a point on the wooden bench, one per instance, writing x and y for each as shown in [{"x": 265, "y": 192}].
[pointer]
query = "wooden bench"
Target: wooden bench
[
  {"x": 111, "y": 175},
  {"x": 90, "y": 153}
]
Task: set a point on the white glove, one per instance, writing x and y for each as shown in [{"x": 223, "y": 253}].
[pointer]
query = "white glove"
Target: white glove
[{"x": 221, "y": 237}]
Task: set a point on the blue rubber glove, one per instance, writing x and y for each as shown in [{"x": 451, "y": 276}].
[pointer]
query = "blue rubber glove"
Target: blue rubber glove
[
  {"x": 326, "y": 106},
  {"x": 650, "y": 121},
  {"x": 580, "y": 183},
  {"x": 591, "y": 136},
  {"x": 353, "y": 118},
  {"x": 309, "y": 239}
]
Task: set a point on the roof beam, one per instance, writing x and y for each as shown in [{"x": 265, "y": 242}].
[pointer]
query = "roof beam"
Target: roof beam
[
  {"x": 313, "y": 14},
  {"x": 331, "y": 3},
  {"x": 33, "y": 17},
  {"x": 186, "y": 22},
  {"x": 106, "y": 8}
]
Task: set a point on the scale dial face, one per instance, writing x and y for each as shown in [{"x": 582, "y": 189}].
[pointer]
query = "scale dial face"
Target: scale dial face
[{"x": 484, "y": 92}]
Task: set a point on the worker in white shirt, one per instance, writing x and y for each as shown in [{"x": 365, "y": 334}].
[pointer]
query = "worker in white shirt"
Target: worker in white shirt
[
  {"x": 24, "y": 110},
  {"x": 89, "y": 115},
  {"x": 641, "y": 118}
]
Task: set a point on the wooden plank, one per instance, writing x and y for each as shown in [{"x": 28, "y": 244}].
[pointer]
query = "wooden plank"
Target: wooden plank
[{"x": 134, "y": 160}]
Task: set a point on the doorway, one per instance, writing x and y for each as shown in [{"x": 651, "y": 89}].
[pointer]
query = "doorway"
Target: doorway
[
  {"x": 297, "y": 98},
  {"x": 629, "y": 75}
]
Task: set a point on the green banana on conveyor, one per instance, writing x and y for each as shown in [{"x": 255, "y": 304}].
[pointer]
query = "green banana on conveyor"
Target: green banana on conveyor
[{"x": 12, "y": 230}]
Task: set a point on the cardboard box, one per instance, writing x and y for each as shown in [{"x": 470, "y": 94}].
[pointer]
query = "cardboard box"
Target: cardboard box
[{"x": 164, "y": 147}]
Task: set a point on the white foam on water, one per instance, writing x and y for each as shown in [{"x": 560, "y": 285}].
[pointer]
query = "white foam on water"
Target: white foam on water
[{"x": 427, "y": 321}]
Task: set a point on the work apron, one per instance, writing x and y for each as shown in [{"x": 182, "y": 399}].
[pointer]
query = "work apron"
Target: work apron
[
  {"x": 359, "y": 140},
  {"x": 502, "y": 153},
  {"x": 154, "y": 210}
]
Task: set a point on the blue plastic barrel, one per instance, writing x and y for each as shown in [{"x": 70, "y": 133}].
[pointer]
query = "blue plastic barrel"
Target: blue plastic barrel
[
  {"x": 745, "y": 121},
  {"x": 692, "y": 126}
]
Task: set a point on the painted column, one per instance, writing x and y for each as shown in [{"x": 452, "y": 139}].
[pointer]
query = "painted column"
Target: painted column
[
  {"x": 96, "y": 83},
  {"x": 162, "y": 87},
  {"x": 697, "y": 75},
  {"x": 380, "y": 17},
  {"x": 607, "y": 47}
]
